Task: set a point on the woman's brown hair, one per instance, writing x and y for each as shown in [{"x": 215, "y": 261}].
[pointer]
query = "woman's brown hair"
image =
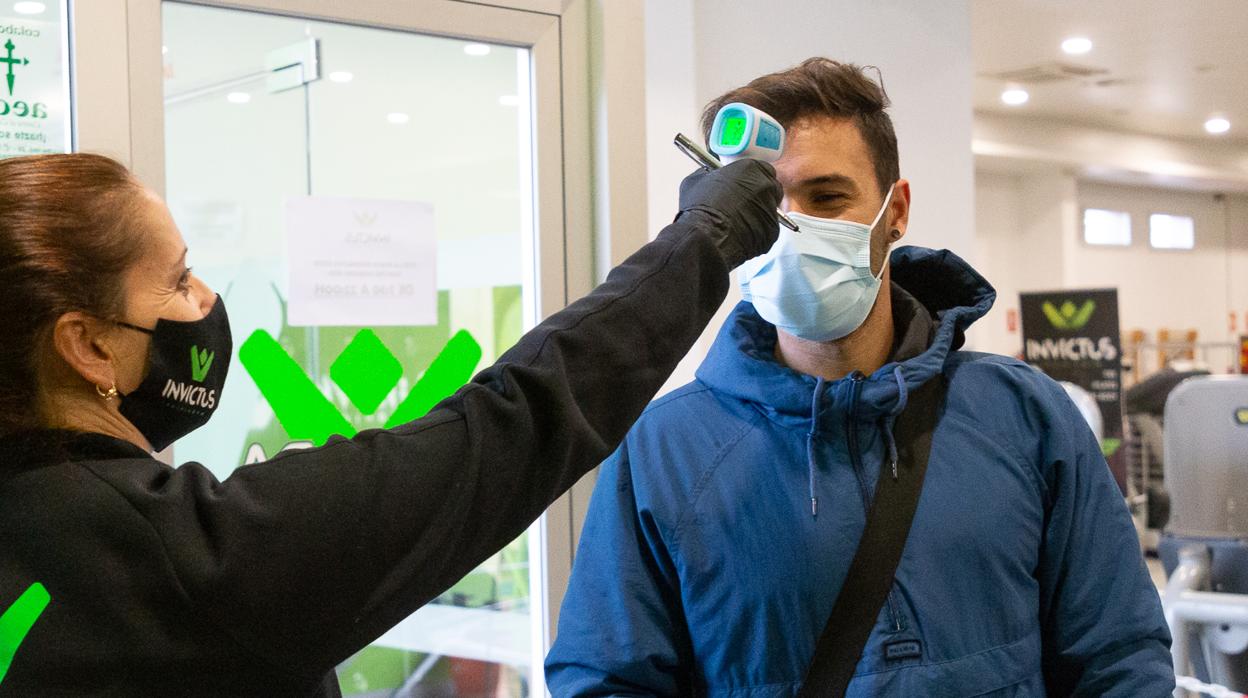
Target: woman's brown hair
[{"x": 67, "y": 236}]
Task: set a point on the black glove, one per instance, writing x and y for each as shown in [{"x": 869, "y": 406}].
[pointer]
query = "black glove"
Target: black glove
[{"x": 740, "y": 201}]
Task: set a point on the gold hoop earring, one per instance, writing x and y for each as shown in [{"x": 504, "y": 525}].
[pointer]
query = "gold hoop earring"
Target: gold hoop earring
[{"x": 108, "y": 396}]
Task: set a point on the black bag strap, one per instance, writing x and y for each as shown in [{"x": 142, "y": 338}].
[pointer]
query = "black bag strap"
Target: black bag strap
[{"x": 870, "y": 576}]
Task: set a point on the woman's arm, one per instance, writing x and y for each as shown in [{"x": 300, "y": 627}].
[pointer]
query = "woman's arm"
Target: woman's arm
[{"x": 312, "y": 555}]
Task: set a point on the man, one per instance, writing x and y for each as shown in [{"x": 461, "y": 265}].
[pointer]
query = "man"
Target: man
[{"x": 721, "y": 531}]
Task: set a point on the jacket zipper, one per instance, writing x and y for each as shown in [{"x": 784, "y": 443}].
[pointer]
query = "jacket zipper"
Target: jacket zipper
[
  {"x": 851, "y": 436},
  {"x": 851, "y": 432}
]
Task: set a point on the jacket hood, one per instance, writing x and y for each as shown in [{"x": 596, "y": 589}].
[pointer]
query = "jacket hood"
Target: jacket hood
[{"x": 742, "y": 361}]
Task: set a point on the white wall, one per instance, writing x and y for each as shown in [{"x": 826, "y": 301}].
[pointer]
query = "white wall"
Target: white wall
[
  {"x": 1177, "y": 289},
  {"x": 672, "y": 104},
  {"x": 1020, "y": 246},
  {"x": 694, "y": 52},
  {"x": 998, "y": 234},
  {"x": 1029, "y": 233}
]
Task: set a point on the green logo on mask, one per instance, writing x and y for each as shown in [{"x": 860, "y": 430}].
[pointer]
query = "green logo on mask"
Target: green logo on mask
[
  {"x": 1069, "y": 317},
  {"x": 201, "y": 361}
]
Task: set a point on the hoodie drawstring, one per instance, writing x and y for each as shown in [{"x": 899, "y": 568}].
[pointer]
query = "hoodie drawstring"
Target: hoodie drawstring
[
  {"x": 810, "y": 445},
  {"x": 903, "y": 396}
]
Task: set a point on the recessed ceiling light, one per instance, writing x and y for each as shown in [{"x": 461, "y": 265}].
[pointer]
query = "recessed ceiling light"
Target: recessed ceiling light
[
  {"x": 509, "y": 100},
  {"x": 29, "y": 8},
  {"x": 398, "y": 117},
  {"x": 1015, "y": 96},
  {"x": 477, "y": 49},
  {"x": 1217, "y": 125},
  {"x": 238, "y": 97},
  {"x": 341, "y": 76},
  {"x": 1077, "y": 45}
]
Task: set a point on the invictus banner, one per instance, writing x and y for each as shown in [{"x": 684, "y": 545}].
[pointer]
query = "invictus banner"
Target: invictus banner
[
  {"x": 1074, "y": 336},
  {"x": 35, "y": 114}
]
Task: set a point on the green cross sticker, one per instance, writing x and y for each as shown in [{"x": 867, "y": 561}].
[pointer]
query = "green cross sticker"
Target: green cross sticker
[
  {"x": 17, "y": 622},
  {"x": 12, "y": 62}
]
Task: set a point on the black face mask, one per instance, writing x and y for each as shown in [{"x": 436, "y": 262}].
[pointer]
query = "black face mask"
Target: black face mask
[{"x": 185, "y": 374}]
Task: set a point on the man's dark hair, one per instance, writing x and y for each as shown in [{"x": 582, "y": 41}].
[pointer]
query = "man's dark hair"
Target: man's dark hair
[{"x": 823, "y": 87}]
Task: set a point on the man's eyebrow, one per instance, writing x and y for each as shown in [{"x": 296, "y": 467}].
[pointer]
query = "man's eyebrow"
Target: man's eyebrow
[{"x": 836, "y": 180}]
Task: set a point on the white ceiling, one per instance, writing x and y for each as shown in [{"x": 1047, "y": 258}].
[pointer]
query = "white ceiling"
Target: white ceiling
[{"x": 1170, "y": 64}]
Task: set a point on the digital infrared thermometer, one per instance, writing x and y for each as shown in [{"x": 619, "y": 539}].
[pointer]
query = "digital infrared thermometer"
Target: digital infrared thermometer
[{"x": 740, "y": 131}]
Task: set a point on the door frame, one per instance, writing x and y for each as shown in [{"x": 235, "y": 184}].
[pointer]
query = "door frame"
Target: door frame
[{"x": 120, "y": 110}]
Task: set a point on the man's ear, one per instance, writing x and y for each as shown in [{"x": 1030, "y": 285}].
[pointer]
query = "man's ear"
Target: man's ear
[
  {"x": 899, "y": 210},
  {"x": 81, "y": 341}
]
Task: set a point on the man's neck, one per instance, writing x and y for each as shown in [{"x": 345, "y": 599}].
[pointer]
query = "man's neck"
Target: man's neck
[{"x": 865, "y": 349}]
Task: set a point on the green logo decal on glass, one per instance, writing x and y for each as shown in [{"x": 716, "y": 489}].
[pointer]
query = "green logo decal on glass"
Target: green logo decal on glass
[
  {"x": 201, "y": 361},
  {"x": 10, "y": 77},
  {"x": 366, "y": 371},
  {"x": 1069, "y": 317},
  {"x": 17, "y": 622}
]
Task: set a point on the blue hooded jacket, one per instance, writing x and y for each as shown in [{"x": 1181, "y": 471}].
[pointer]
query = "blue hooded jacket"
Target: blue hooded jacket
[{"x": 721, "y": 531}]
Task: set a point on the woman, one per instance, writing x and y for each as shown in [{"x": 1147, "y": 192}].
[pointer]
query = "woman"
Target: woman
[{"x": 124, "y": 576}]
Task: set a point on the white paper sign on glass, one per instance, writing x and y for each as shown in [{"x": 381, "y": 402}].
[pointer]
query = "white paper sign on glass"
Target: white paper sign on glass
[
  {"x": 34, "y": 92},
  {"x": 361, "y": 262}
]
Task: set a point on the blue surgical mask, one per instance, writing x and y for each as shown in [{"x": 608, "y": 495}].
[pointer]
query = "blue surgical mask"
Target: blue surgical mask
[{"x": 816, "y": 283}]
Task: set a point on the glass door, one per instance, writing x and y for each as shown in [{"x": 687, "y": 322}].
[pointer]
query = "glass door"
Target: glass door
[{"x": 363, "y": 200}]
